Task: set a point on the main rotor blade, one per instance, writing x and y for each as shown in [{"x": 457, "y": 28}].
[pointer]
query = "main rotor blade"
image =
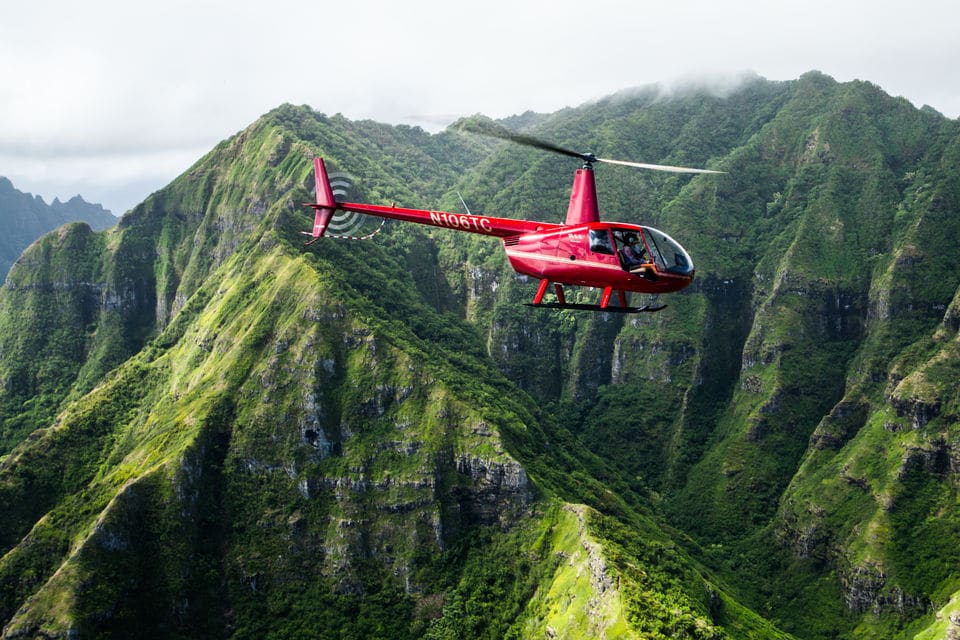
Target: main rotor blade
[
  {"x": 657, "y": 167},
  {"x": 494, "y": 130}
]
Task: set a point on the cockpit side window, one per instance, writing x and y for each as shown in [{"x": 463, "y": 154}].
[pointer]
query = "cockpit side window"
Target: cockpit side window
[{"x": 600, "y": 241}]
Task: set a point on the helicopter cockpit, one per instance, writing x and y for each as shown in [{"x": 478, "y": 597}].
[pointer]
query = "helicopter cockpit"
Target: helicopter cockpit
[{"x": 653, "y": 245}]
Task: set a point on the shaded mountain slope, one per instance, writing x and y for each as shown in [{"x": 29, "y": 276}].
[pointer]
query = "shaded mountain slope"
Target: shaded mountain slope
[{"x": 824, "y": 274}]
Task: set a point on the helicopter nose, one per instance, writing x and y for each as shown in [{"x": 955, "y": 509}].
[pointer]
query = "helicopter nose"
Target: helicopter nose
[{"x": 684, "y": 280}]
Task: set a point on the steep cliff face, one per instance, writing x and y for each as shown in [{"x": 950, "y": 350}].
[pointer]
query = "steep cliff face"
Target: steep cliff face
[
  {"x": 824, "y": 284},
  {"x": 247, "y": 438},
  {"x": 266, "y": 436}
]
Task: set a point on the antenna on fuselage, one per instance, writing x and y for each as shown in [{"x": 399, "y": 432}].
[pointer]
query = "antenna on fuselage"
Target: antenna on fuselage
[{"x": 466, "y": 208}]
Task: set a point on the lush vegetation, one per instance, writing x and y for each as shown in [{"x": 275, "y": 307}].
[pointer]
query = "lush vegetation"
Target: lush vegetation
[{"x": 208, "y": 430}]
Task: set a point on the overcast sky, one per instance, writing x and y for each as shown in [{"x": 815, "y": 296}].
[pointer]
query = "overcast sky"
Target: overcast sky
[{"x": 113, "y": 99}]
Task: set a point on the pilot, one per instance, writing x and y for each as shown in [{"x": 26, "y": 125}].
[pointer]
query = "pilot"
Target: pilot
[{"x": 633, "y": 252}]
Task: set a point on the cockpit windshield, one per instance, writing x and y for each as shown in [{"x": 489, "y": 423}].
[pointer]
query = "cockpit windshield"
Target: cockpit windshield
[{"x": 667, "y": 252}]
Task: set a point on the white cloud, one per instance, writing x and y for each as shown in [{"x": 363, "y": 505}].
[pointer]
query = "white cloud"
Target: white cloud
[{"x": 117, "y": 180}]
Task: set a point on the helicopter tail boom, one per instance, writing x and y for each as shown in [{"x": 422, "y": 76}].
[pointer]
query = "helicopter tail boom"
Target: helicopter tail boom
[{"x": 326, "y": 205}]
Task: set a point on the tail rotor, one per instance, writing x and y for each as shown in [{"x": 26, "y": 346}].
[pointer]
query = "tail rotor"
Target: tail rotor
[{"x": 349, "y": 225}]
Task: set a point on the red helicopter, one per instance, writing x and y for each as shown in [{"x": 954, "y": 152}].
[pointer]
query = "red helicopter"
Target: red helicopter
[{"x": 583, "y": 251}]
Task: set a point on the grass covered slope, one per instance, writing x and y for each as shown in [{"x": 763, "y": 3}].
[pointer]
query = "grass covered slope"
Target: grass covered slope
[
  {"x": 252, "y": 439},
  {"x": 220, "y": 430},
  {"x": 825, "y": 273}
]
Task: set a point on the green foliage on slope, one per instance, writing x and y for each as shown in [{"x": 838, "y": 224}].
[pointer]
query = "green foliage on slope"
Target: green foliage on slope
[
  {"x": 823, "y": 262},
  {"x": 224, "y": 433},
  {"x": 256, "y": 440}
]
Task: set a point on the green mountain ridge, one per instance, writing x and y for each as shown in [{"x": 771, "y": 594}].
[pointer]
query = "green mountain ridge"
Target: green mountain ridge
[
  {"x": 219, "y": 433},
  {"x": 28, "y": 217}
]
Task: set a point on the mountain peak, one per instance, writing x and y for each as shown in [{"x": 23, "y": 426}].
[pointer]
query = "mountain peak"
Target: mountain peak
[{"x": 27, "y": 217}]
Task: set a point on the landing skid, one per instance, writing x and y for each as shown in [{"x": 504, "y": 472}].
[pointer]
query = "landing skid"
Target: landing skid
[{"x": 595, "y": 307}]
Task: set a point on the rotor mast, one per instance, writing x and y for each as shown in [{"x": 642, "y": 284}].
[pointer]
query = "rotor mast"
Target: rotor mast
[{"x": 584, "y": 206}]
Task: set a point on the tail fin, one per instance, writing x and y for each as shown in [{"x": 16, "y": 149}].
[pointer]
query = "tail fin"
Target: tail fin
[{"x": 326, "y": 204}]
